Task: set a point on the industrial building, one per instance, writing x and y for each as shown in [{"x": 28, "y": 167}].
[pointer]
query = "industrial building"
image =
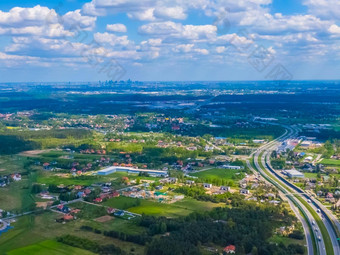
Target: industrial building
[
  {"x": 131, "y": 170},
  {"x": 293, "y": 174}
]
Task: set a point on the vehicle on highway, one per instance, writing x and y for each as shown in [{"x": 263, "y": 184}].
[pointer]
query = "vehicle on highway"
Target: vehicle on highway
[
  {"x": 309, "y": 201},
  {"x": 318, "y": 211},
  {"x": 313, "y": 222}
]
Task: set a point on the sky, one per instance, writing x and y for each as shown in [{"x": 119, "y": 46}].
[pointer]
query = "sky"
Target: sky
[{"x": 169, "y": 40}]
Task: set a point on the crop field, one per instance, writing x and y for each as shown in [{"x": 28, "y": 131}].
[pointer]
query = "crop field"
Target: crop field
[{"x": 49, "y": 247}]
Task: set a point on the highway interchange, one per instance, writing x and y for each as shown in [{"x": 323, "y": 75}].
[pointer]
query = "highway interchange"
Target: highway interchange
[{"x": 311, "y": 221}]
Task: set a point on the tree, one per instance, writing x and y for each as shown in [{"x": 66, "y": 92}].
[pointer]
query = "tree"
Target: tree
[
  {"x": 36, "y": 188},
  {"x": 254, "y": 251}
]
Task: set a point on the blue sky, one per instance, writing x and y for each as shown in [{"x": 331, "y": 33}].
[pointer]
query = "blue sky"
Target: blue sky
[{"x": 84, "y": 40}]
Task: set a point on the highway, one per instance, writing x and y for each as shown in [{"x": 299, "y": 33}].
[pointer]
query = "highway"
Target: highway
[{"x": 286, "y": 187}]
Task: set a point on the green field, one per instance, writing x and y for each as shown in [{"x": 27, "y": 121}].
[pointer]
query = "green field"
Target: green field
[
  {"x": 219, "y": 173},
  {"x": 332, "y": 162},
  {"x": 180, "y": 208},
  {"x": 49, "y": 247},
  {"x": 30, "y": 230}
]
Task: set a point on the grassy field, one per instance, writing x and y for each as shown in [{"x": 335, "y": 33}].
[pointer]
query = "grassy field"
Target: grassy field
[
  {"x": 30, "y": 230},
  {"x": 12, "y": 164},
  {"x": 49, "y": 247},
  {"x": 180, "y": 208},
  {"x": 287, "y": 241},
  {"x": 219, "y": 173},
  {"x": 332, "y": 162}
]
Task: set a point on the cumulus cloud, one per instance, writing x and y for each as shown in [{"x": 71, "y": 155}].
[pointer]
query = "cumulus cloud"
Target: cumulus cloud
[
  {"x": 171, "y": 29},
  {"x": 324, "y": 8},
  {"x": 74, "y": 19},
  {"x": 112, "y": 39},
  {"x": 167, "y": 30},
  {"x": 121, "y": 28},
  {"x": 176, "y": 12}
]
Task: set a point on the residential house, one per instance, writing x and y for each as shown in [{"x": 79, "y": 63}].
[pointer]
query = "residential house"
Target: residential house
[
  {"x": 225, "y": 188},
  {"x": 330, "y": 197},
  {"x": 244, "y": 191},
  {"x": 98, "y": 200},
  {"x": 229, "y": 249},
  {"x": 207, "y": 185},
  {"x": 190, "y": 182},
  {"x": 68, "y": 217}
]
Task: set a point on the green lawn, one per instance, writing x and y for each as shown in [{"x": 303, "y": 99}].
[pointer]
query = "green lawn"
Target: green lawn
[
  {"x": 219, "y": 173},
  {"x": 49, "y": 247},
  {"x": 180, "y": 208},
  {"x": 332, "y": 162}
]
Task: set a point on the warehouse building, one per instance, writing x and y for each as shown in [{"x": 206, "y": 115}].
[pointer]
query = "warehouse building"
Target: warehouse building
[
  {"x": 293, "y": 174},
  {"x": 131, "y": 170}
]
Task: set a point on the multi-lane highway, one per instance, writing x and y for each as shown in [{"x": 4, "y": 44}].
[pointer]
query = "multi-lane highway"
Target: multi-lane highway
[{"x": 311, "y": 221}]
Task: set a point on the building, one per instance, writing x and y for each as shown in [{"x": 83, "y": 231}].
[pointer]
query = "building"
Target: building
[
  {"x": 244, "y": 191},
  {"x": 225, "y": 188},
  {"x": 232, "y": 167},
  {"x": 293, "y": 174},
  {"x": 107, "y": 171},
  {"x": 207, "y": 185},
  {"x": 229, "y": 249},
  {"x": 131, "y": 170}
]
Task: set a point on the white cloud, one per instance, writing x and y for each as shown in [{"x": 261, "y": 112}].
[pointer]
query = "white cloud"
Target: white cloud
[
  {"x": 190, "y": 48},
  {"x": 74, "y": 19},
  {"x": 112, "y": 39},
  {"x": 121, "y": 28},
  {"x": 220, "y": 49},
  {"x": 171, "y": 29},
  {"x": 144, "y": 15},
  {"x": 334, "y": 29},
  {"x": 176, "y": 12},
  {"x": 328, "y": 9},
  {"x": 18, "y": 17}
]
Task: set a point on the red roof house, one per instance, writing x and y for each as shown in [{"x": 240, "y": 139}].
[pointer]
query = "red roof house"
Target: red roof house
[{"x": 229, "y": 249}]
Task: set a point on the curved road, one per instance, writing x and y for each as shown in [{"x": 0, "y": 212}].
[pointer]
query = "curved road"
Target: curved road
[{"x": 277, "y": 181}]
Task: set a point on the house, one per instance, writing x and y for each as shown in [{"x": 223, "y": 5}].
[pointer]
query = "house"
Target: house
[
  {"x": 319, "y": 193},
  {"x": 173, "y": 180},
  {"x": 60, "y": 207},
  {"x": 244, "y": 191},
  {"x": 229, "y": 249},
  {"x": 119, "y": 213},
  {"x": 115, "y": 194},
  {"x": 75, "y": 211},
  {"x": 207, "y": 185},
  {"x": 68, "y": 217},
  {"x": 98, "y": 200},
  {"x": 81, "y": 194},
  {"x": 330, "y": 197},
  {"x": 225, "y": 188},
  {"x": 47, "y": 166},
  {"x": 65, "y": 209},
  {"x": 110, "y": 210},
  {"x": 16, "y": 177},
  {"x": 190, "y": 182}
]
